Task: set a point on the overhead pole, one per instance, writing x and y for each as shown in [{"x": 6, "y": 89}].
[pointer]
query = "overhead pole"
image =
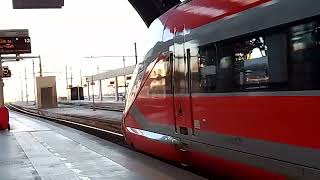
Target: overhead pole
[
  {"x": 88, "y": 85},
  {"x": 1, "y": 84},
  {"x": 93, "y": 103},
  {"x": 34, "y": 82},
  {"x": 125, "y": 79},
  {"x": 81, "y": 78},
  {"x": 71, "y": 77},
  {"x": 100, "y": 85},
  {"x": 26, "y": 81},
  {"x": 40, "y": 66},
  {"x": 79, "y": 97},
  {"x": 100, "y": 90},
  {"x": 135, "y": 52},
  {"x": 117, "y": 89},
  {"x": 67, "y": 82},
  {"x": 21, "y": 87}
]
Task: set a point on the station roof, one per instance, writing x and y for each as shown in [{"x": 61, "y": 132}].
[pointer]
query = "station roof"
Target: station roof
[
  {"x": 112, "y": 74},
  {"x": 152, "y": 9}
]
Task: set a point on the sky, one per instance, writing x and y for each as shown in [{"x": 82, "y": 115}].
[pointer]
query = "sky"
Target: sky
[{"x": 64, "y": 37}]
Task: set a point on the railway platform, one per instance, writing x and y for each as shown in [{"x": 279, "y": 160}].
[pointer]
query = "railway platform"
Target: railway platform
[
  {"x": 76, "y": 111},
  {"x": 36, "y": 148}
]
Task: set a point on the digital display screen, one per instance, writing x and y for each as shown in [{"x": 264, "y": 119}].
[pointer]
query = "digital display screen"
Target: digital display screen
[{"x": 15, "y": 45}]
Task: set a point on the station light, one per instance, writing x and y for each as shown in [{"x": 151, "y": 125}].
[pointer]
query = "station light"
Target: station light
[{"x": 37, "y": 4}]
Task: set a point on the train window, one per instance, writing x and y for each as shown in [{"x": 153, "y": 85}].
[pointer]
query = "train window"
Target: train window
[
  {"x": 234, "y": 66},
  {"x": 167, "y": 34},
  {"x": 285, "y": 60},
  {"x": 304, "y": 56},
  {"x": 207, "y": 68},
  {"x": 180, "y": 69},
  {"x": 194, "y": 69},
  {"x": 250, "y": 66},
  {"x": 160, "y": 78}
]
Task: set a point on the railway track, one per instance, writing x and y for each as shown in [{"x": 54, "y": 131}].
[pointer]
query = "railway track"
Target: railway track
[
  {"x": 119, "y": 107},
  {"x": 108, "y": 130}
]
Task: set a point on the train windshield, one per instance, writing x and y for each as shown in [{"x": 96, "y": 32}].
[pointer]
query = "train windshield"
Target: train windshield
[{"x": 155, "y": 33}]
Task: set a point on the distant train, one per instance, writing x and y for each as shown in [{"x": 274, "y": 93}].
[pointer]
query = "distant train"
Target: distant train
[{"x": 231, "y": 87}]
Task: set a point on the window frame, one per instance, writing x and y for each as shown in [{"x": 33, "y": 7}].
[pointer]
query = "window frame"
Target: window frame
[{"x": 271, "y": 86}]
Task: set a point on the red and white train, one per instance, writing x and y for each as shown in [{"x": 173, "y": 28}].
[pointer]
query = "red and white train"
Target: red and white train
[{"x": 231, "y": 87}]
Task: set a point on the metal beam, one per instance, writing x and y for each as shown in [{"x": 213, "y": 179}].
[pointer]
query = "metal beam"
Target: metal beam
[
  {"x": 1, "y": 86},
  {"x": 18, "y": 57},
  {"x": 14, "y": 33},
  {"x": 97, "y": 57}
]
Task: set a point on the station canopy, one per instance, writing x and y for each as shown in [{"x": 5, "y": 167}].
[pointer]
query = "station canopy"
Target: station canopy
[{"x": 152, "y": 9}]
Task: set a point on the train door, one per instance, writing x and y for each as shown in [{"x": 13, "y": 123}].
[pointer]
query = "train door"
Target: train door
[
  {"x": 182, "y": 97},
  {"x": 181, "y": 89}
]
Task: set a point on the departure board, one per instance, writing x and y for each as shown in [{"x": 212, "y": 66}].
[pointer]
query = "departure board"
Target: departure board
[{"x": 15, "y": 45}]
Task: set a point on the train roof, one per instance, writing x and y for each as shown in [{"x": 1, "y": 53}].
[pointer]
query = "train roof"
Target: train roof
[
  {"x": 152, "y": 9},
  {"x": 195, "y": 13}
]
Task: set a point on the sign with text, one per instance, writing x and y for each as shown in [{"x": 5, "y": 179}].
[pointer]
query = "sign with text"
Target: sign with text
[
  {"x": 6, "y": 72},
  {"x": 15, "y": 45}
]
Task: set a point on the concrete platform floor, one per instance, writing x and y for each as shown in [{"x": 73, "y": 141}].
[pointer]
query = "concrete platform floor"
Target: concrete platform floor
[{"x": 40, "y": 149}]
